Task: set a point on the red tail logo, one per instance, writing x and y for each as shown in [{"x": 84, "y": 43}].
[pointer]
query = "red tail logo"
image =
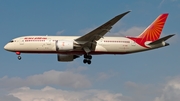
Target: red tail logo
[{"x": 153, "y": 31}]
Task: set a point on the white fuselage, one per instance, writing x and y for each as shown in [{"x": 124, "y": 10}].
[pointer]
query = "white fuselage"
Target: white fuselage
[{"x": 46, "y": 44}]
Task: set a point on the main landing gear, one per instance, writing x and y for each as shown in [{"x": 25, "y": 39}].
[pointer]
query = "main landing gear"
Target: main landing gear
[
  {"x": 87, "y": 59},
  {"x": 19, "y": 57}
]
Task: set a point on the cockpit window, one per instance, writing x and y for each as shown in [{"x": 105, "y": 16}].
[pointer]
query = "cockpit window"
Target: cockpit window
[{"x": 11, "y": 41}]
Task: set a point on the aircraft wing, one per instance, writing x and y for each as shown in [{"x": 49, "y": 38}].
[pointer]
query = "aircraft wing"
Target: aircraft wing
[{"x": 88, "y": 39}]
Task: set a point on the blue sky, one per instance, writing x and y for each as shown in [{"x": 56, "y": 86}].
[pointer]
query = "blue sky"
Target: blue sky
[{"x": 151, "y": 76}]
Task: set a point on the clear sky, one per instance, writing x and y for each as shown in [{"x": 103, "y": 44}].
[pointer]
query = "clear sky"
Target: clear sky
[{"x": 147, "y": 76}]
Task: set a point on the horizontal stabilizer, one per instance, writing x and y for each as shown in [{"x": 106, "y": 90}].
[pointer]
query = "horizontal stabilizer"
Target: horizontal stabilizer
[{"x": 161, "y": 40}]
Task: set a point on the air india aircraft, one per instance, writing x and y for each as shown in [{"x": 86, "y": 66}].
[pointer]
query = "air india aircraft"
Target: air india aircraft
[{"x": 69, "y": 48}]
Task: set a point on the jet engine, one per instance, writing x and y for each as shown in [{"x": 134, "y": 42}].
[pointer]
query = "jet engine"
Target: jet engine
[
  {"x": 66, "y": 58},
  {"x": 64, "y": 45}
]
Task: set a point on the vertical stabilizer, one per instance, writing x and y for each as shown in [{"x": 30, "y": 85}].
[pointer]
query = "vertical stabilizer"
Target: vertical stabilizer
[{"x": 153, "y": 31}]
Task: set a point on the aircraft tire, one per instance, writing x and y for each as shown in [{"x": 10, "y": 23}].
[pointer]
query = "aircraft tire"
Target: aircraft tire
[
  {"x": 89, "y": 62},
  {"x": 19, "y": 57},
  {"x": 84, "y": 61},
  {"x": 89, "y": 57}
]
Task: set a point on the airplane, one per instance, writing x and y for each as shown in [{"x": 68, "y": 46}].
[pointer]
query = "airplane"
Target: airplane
[{"x": 69, "y": 48}]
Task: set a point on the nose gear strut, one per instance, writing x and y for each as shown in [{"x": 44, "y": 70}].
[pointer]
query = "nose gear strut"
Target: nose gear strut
[{"x": 18, "y": 53}]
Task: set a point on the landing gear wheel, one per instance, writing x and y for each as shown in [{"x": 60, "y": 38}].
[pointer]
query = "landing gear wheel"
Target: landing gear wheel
[
  {"x": 87, "y": 58},
  {"x": 84, "y": 61},
  {"x": 19, "y": 57},
  {"x": 89, "y": 62}
]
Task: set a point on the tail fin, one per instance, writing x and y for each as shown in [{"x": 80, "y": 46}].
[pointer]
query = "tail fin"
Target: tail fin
[{"x": 153, "y": 31}]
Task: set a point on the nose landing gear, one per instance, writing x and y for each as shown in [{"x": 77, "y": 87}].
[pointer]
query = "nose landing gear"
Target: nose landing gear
[
  {"x": 19, "y": 57},
  {"x": 18, "y": 53},
  {"x": 87, "y": 59}
]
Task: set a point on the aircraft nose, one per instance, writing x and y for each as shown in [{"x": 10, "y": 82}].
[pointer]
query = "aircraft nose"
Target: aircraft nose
[{"x": 7, "y": 47}]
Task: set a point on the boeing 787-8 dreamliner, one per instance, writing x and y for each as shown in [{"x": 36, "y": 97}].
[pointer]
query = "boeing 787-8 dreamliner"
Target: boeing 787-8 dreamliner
[{"x": 69, "y": 48}]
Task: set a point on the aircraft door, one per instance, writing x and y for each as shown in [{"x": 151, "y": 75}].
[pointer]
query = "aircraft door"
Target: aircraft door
[
  {"x": 48, "y": 44},
  {"x": 21, "y": 41},
  {"x": 133, "y": 43},
  {"x": 101, "y": 41}
]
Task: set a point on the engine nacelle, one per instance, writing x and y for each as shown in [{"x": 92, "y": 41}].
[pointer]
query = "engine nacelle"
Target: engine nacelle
[
  {"x": 66, "y": 58},
  {"x": 64, "y": 45}
]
